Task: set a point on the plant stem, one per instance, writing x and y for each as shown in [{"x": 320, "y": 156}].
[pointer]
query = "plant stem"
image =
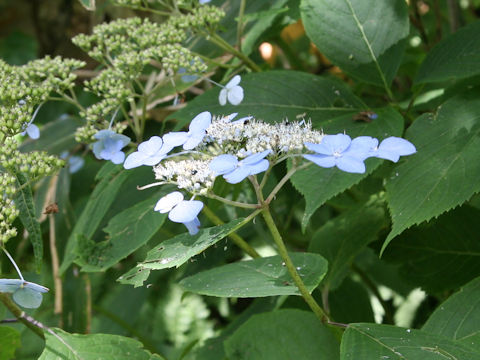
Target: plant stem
[
  {"x": 19, "y": 314},
  {"x": 233, "y": 203},
  {"x": 237, "y": 239},
  {"x": 240, "y": 24},
  {"x": 220, "y": 42},
  {"x": 312, "y": 303},
  {"x": 282, "y": 182},
  {"x": 14, "y": 263}
]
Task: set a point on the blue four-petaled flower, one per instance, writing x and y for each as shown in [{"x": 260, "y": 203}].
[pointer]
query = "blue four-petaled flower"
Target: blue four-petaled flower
[
  {"x": 149, "y": 153},
  {"x": 109, "y": 146},
  {"x": 194, "y": 136},
  {"x": 349, "y": 155},
  {"x": 180, "y": 210},
  {"x": 234, "y": 171}
]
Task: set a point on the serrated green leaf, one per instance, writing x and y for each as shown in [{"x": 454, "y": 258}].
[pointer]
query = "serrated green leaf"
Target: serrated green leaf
[
  {"x": 440, "y": 255},
  {"x": 363, "y": 37},
  {"x": 365, "y": 341},
  {"x": 93, "y": 347},
  {"x": 88, "y": 4},
  {"x": 444, "y": 172},
  {"x": 178, "y": 250},
  {"x": 259, "y": 277},
  {"x": 345, "y": 236},
  {"x": 455, "y": 57},
  {"x": 24, "y": 202},
  {"x": 127, "y": 231},
  {"x": 112, "y": 178},
  {"x": 318, "y": 184},
  {"x": 459, "y": 316},
  {"x": 283, "y": 334},
  {"x": 275, "y": 95},
  {"x": 9, "y": 342}
]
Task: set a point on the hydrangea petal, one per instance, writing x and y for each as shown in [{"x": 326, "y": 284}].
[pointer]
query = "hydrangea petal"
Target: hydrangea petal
[
  {"x": 336, "y": 143},
  {"x": 75, "y": 163},
  {"x": 192, "y": 226},
  {"x": 200, "y": 122},
  {"x": 102, "y": 134},
  {"x": 185, "y": 211},
  {"x": 223, "y": 164},
  {"x": 362, "y": 147},
  {"x": 321, "y": 160},
  {"x": 222, "y": 97},
  {"x": 254, "y": 158},
  {"x": 173, "y": 139},
  {"x": 168, "y": 202},
  {"x": 154, "y": 159},
  {"x": 230, "y": 117},
  {"x": 33, "y": 131},
  {"x": 398, "y": 145},
  {"x": 134, "y": 160},
  {"x": 235, "y": 95},
  {"x": 118, "y": 157},
  {"x": 193, "y": 141},
  {"x": 259, "y": 167},
  {"x": 233, "y": 82},
  {"x": 237, "y": 175},
  {"x": 151, "y": 146},
  {"x": 350, "y": 164}
]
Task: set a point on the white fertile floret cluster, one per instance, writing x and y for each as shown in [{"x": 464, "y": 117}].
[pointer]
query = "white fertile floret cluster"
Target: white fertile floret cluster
[
  {"x": 192, "y": 175},
  {"x": 250, "y": 136}
]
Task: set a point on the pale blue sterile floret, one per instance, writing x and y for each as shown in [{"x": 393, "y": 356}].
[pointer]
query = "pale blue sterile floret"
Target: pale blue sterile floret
[
  {"x": 75, "y": 163},
  {"x": 149, "y": 153},
  {"x": 180, "y": 210},
  {"x": 204, "y": 1},
  {"x": 32, "y": 131},
  {"x": 194, "y": 136},
  {"x": 25, "y": 293},
  {"x": 348, "y": 155},
  {"x": 334, "y": 150},
  {"x": 109, "y": 145},
  {"x": 234, "y": 171},
  {"x": 231, "y": 92}
]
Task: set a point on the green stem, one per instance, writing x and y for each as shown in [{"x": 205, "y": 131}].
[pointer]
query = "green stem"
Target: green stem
[
  {"x": 237, "y": 239},
  {"x": 233, "y": 203},
  {"x": 241, "y": 11},
  {"x": 220, "y": 42},
  {"x": 19, "y": 314},
  {"x": 312, "y": 303},
  {"x": 282, "y": 182}
]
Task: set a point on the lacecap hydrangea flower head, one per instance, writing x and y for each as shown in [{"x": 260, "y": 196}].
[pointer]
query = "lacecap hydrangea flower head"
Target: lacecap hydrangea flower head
[{"x": 243, "y": 148}]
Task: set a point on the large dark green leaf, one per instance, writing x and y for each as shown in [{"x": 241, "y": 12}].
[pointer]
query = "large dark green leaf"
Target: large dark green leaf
[
  {"x": 24, "y": 202},
  {"x": 111, "y": 179},
  {"x": 273, "y": 96},
  {"x": 444, "y": 172},
  {"x": 372, "y": 341},
  {"x": 9, "y": 342},
  {"x": 127, "y": 231},
  {"x": 282, "y": 335},
  {"x": 440, "y": 255},
  {"x": 363, "y": 37},
  {"x": 259, "y": 277},
  {"x": 93, "y": 347},
  {"x": 318, "y": 184},
  {"x": 178, "y": 250},
  {"x": 458, "y": 317},
  {"x": 344, "y": 237},
  {"x": 456, "y": 57}
]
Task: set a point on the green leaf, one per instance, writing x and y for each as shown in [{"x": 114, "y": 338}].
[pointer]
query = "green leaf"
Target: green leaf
[
  {"x": 284, "y": 334},
  {"x": 111, "y": 179},
  {"x": 93, "y": 347},
  {"x": 127, "y": 231},
  {"x": 444, "y": 172},
  {"x": 318, "y": 184},
  {"x": 178, "y": 250},
  {"x": 440, "y": 255},
  {"x": 344, "y": 310},
  {"x": 459, "y": 316},
  {"x": 275, "y": 95},
  {"x": 88, "y": 4},
  {"x": 455, "y": 57},
  {"x": 365, "y": 341},
  {"x": 24, "y": 202},
  {"x": 18, "y": 48},
  {"x": 259, "y": 277},
  {"x": 363, "y": 37},
  {"x": 9, "y": 342},
  {"x": 344, "y": 237}
]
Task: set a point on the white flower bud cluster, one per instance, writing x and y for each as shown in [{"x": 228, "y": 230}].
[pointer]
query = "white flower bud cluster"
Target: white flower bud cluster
[
  {"x": 192, "y": 175},
  {"x": 252, "y": 136}
]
